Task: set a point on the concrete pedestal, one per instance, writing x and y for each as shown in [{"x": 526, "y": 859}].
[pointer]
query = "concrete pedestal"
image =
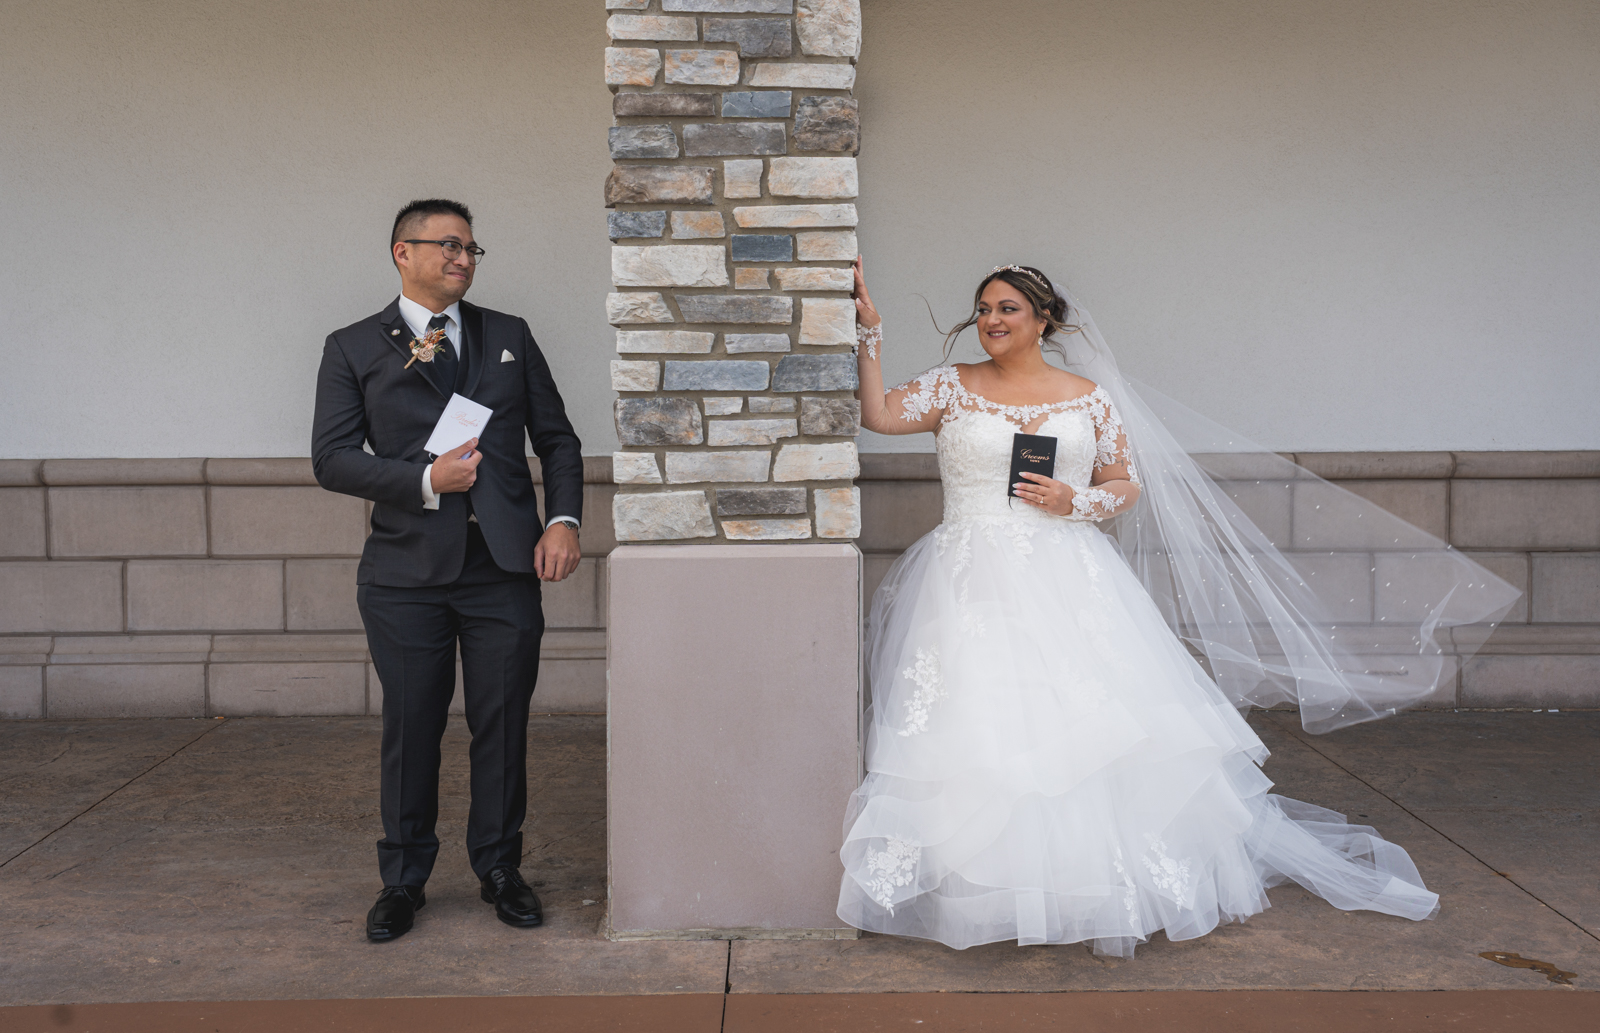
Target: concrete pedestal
[{"x": 734, "y": 702}]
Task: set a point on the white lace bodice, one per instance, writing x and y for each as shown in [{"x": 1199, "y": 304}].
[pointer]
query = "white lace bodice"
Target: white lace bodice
[{"x": 974, "y": 445}]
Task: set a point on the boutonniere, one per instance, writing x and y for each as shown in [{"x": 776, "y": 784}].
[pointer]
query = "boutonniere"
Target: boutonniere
[{"x": 425, "y": 348}]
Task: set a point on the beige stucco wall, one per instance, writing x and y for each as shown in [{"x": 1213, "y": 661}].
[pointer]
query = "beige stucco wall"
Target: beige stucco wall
[
  {"x": 1289, "y": 215},
  {"x": 1360, "y": 224}
]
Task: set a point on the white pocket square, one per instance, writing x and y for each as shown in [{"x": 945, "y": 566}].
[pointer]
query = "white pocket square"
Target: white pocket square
[{"x": 506, "y": 356}]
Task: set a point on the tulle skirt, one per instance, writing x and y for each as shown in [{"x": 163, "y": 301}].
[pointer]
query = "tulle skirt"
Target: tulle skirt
[{"x": 1048, "y": 764}]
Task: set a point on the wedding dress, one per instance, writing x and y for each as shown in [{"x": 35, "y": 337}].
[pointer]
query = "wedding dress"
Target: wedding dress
[{"x": 1046, "y": 761}]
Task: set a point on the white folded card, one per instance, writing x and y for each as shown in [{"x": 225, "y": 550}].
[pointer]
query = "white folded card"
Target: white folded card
[{"x": 462, "y": 420}]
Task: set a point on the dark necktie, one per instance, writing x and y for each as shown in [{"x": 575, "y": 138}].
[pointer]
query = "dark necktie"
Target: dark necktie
[{"x": 444, "y": 360}]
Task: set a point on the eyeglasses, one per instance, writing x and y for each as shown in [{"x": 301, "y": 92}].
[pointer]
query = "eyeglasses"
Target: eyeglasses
[{"x": 452, "y": 249}]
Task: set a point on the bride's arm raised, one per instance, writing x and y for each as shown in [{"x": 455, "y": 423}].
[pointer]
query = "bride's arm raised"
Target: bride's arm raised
[{"x": 907, "y": 409}]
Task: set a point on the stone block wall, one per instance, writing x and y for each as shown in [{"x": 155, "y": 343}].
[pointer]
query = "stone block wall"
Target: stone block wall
[
  {"x": 733, "y": 225},
  {"x": 224, "y": 587}
]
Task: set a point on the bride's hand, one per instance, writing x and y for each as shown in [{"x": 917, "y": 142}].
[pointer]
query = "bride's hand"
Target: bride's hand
[
  {"x": 866, "y": 314},
  {"x": 1053, "y": 496}
]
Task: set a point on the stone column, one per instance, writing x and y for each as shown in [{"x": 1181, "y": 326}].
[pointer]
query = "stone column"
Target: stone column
[
  {"x": 733, "y": 664},
  {"x": 733, "y": 220}
]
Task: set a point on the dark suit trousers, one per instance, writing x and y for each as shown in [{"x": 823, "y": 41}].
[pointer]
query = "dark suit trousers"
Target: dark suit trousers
[{"x": 412, "y": 634}]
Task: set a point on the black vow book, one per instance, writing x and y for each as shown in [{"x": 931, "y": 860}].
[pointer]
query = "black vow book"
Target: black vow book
[{"x": 1030, "y": 453}]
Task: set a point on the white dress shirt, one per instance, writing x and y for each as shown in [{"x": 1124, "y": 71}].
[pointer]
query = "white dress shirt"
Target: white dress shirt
[{"x": 417, "y": 317}]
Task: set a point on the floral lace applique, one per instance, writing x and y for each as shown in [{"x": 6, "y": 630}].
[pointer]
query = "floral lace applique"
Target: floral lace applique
[
  {"x": 890, "y": 869},
  {"x": 1130, "y": 892},
  {"x": 1094, "y": 504},
  {"x": 959, "y": 535},
  {"x": 871, "y": 336},
  {"x": 1169, "y": 875},
  {"x": 971, "y": 620},
  {"x": 932, "y": 390},
  {"x": 926, "y": 676}
]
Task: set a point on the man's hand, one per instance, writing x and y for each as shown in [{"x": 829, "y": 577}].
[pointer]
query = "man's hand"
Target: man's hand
[
  {"x": 451, "y": 472},
  {"x": 556, "y": 556}
]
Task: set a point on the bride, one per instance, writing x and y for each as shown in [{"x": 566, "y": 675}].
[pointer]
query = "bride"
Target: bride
[{"x": 1046, "y": 760}]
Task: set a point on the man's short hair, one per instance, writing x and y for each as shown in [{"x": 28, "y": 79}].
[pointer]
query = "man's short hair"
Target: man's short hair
[{"x": 408, "y": 218}]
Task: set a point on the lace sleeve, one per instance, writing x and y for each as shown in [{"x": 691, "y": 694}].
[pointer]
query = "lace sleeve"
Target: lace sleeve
[
  {"x": 1115, "y": 485},
  {"x": 923, "y": 400}
]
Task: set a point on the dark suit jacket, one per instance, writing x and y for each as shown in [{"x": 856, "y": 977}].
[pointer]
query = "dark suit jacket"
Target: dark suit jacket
[{"x": 366, "y": 395}]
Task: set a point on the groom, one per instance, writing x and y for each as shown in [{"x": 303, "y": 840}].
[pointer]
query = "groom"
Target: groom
[{"x": 456, "y": 552}]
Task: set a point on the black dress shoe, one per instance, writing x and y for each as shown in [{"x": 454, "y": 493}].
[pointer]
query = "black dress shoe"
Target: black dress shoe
[
  {"x": 514, "y": 903},
  {"x": 391, "y": 917}
]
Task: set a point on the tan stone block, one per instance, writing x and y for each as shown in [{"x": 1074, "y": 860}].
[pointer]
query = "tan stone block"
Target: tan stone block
[
  {"x": 804, "y": 76},
  {"x": 747, "y": 279},
  {"x": 813, "y": 177},
  {"x": 127, "y": 521},
  {"x": 1532, "y": 682},
  {"x": 1326, "y": 517},
  {"x": 749, "y": 432},
  {"x": 204, "y": 595},
  {"x": 826, "y": 246},
  {"x": 57, "y": 472},
  {"x": 669, "y": 265},
  {"x": 627, "y": 5},
  {"x": 831, "y": 462},
  {"x": 260, "y": 471},
  {"x": 1343, "y": 580},
  {"x": 571, "y": 687},
  {"x": 662, "y": 516},
  {"x": 663, "y": 342},
  {"x": 55, "y": 596},
  {"x": 827, "y": 321},
  {"x": 1410, "y": 466},
  {"x": 838, "y": 512},
  {"x": 767, "y": 529},
  {"x": 829, "y": 28},
  {"x": 1512, "y": 567},
  {"x": 25, "y": 650},
  {"x": 288, "y": 690},
  {"x": 125, "y": 690},
  {"x": 827, "y": 279},
  {"x": 689, "y": 225},
  {"x": 634, "y": 375},
  {"x": 794, "y": 216},
  {"x": 645, "y": 26},
  {"x": 895, "y": 514},
  {"x": 130, "y": 649},
  {"x": 635, "y": 468},
  {"x": 286, "y": 521},
  {"x": 659, "y": 184},
  {"x": 279, "y": 648},
  {"x": 1524, "y": 465},
  {"x": 703, "y": 67},
  {"x": 320, "y": 595},
  {"x": 21, "y": 473},
  {"x": 575, "y": 602},
  {"x": 21, "y": 693},
  {"x": 766, "y": 403},
  {"x": 1266, "y": 503},
  {"x": 718, "y": 406},
  {"x": 21, "y": 522},
  {"x": 637, "y": 307},
  {"x": 1525, "y": 514},
  {"x": 741, "y": 178},
  {"x": 702, "y": 467},
  {"x": 1566, "y": 587},
  {"x": 632, "y": 66}
]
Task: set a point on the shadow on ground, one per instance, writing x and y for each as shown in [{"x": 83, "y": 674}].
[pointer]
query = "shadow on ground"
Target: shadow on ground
[{"x": 233, "y": 860}]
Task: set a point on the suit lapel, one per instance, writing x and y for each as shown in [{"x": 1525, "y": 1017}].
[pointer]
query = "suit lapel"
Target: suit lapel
[
  {"x": 472, "y": 338},
  {"x": 398, "y": 334}
]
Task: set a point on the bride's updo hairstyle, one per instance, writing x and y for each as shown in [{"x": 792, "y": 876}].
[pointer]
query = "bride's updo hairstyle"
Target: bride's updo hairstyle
[{"x": 1033, "y": 285}]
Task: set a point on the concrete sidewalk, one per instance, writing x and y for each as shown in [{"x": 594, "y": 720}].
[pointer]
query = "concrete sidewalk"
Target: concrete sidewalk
[{"x": 190, "y": 860}]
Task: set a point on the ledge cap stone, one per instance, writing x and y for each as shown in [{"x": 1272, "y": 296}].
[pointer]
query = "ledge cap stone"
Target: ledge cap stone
[{"x": 123, "y": 471}]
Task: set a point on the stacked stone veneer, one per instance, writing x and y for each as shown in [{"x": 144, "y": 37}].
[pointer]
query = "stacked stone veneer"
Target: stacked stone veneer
[{"x": 733, "y": 221}]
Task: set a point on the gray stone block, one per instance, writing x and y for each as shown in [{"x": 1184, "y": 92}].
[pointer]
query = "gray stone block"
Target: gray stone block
[
  {"x": 757, "y": 37},
  {"x": 1350, "y": 514},
  {"x": 1408, "y": 466},
  {"x": 642, "y": 142},
  {"x": 22, "y": 517},
  {"x": 724, "y": 138},
  {"x": 738, "y": 344},
  {"x": 830, "y": 417},
  {"x": 896, "y": 513},
  {"x": 654, "y": 184},
  {"x": 760, "y": 501},
  {"x": 250, "y": 522},
  {"x": 1566, "y": 587},
  {"x": 21, "y": 693},
  {"x": 58, "y": 472},
  {"x": 757, "y": 104},
  {"x": 1531, "y": 681},
  {"x": 1267, "y": 503},
  {"x": 658, "y": 421},
  {"x": 828, "y": 124},
  {"x": 735, "y": 308},
  {"x": 701, "y": 467},
  {"x": 664, "y": 105},
  {"x": 320, "y": 595},
  {"x": 127, "y": 521},
  {"x": 623, "y": 225},
  {"x": 763, "y": 247},
  {"x": 1522, "y": 465},
  {"x": 575, "y": 602},
  {"x": 730, "y": 6},
  {"x": 126, "y": 690},
  {"x": 284, "y": 690},
  {"x": 282, "y": 470},
  {"x": 20, "y": 473},
  {"x": 766, "y": 403},
  {"x": 717, "y": 375},
  {"x": 816, "y": 373},
  {"x": 205, "y": 595},
  {"x": 662, "y": 516},
  {"x": 1342, "y": 579},
  {"x": 51, "y": 597},
  {"x": 1525, "y": 514},
  {"x": 749, "y": 432}
]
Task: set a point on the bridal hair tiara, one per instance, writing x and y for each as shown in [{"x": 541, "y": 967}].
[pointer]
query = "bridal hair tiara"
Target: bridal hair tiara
[{"x": 1035, "y": 277}]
